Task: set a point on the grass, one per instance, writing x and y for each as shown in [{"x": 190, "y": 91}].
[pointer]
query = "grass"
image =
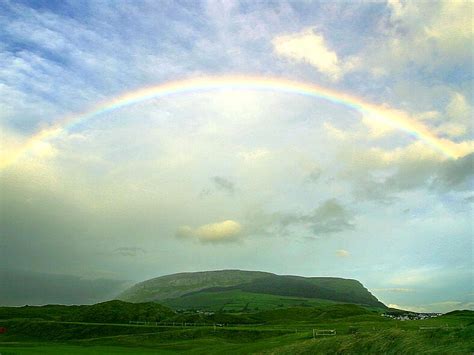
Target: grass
[
  {"x": 387, "y": 341},
  {"x": 239, "y": 301},
  {"x": 105, "y": 312},
  {"x": 279, "y": 331}
]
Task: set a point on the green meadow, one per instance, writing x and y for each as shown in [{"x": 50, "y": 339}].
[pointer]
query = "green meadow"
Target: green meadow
[{"x": 281, "y": 330}]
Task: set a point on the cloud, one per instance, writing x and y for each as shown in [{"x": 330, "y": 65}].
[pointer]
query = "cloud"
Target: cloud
[
  {"x": 416, "y": 309},
  {"x": 225, "y": 231},
  {"x": 144, "y": 188},
  {"x": 469, "y": 199},
  {"x": 394, "y": 290},
  {"x": 336, "y": 133},
  {"x": 314, "y": 175},
  {"x": 341, "y": 253},
  {"x": 413, "y": 172},
  {"x": 455, "y": 174},
  {"x": 309, "y": 46},
  {"x": 428, "y": 36},
  {"x": 451, "y": 129},
  {"x": 457, "y": 118},
  {"x": 20, "y": 287},
  {"x": 427, "y": 286},
  {"x": 459, "y": 108},
  {"x": 129, "y": 251},
  {"x": 413, "y": 277},
  {"x": 382, "y": 174},
  {"x": 441, "y": 307},
  {"x": 254, "y": 155},
  {"x": 328, "y": 218},
  {"x": 223, "y": 184}
]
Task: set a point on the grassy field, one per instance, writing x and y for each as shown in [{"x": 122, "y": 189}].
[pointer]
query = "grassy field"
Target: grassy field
[{"x": 280, "y": 331}]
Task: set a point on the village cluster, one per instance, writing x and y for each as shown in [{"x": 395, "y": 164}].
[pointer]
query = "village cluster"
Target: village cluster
[{"x": 412, "y": 316}]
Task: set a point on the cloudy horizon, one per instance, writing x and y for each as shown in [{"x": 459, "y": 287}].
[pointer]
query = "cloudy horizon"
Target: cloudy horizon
[{"x": 238, "y": 178}]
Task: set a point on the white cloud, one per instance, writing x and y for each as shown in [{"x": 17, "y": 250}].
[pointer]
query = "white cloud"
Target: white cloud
[
  {"x": 458, "y": 108},
  {"x": 431, "y": 35},
  {"x": 451, "y": 129},
  {"x": 254, "y": 155},
  {"x": 441, "y": 307},
  {"x": 224, "y": 231},
  {"x": 341, "y": 253},
  {"x": 416, "y": 309},
  {"x": 421, "y": 276},
  {"x": 394, "y": 290},
  {"x": 310, "y": 46},
  {"x": 458, "y": 117},
  {"x": 337, "y": 133}
]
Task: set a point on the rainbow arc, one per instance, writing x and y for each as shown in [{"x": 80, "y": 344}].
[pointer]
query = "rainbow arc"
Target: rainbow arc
[{"x": 392, "y": 117}]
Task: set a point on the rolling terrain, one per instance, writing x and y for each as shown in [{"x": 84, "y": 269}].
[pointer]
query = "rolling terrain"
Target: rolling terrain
[
  {"x": 294, "y": 330},
  {"x": 215, "y": 313}
]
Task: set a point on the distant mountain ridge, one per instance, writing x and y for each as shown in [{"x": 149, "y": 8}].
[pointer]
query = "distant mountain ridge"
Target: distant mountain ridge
[{"x": 187, "y": 285}]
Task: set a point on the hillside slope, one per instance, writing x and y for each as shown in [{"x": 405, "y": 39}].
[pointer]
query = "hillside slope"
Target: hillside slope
[
  {"x": 176, "y": 285},
  {"x": 211, "y": 283},
  {"x": 334, "y": 289}
]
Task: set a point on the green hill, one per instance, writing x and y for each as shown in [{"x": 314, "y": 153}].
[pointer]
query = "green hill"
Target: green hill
[
  {"x": 122, "y": 312},
  {"x": 106, "y": 312},
  {"x": 176, "y": 285},
  {"x": 239, "y": 301},
  {"x": 245, "y": 290},
  {"x": 461, "y": 313}
]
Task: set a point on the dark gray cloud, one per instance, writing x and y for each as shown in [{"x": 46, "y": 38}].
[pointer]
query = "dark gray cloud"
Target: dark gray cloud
[
  {"x": 367, "y": 188},
  {"x": 455, "y": 174},
  {"x": 20, "y": 287},
  {"x": 441, "y": 176},
  {"x": 469, "y": 199},
  {"x": 314, "y": 176},
  {"x": 223, "y": 184},
  {"x": 444, "y": 175},
  {"x": 328, "y": 218},
  {"x": 129, "y": 251}
]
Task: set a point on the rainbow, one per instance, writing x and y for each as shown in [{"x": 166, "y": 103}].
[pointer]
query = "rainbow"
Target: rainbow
[{"x": 389, "y": 116}]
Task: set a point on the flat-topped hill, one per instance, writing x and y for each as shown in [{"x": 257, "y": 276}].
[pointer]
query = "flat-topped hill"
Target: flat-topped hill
[{"x": 185, "y": 289}]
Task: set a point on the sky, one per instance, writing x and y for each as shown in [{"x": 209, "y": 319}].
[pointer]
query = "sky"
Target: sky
[{"x": 235, "y": 176}]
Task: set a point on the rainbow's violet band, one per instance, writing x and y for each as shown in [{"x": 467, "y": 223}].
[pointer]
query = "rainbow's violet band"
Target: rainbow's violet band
[{"x": 394, "y": 118}]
